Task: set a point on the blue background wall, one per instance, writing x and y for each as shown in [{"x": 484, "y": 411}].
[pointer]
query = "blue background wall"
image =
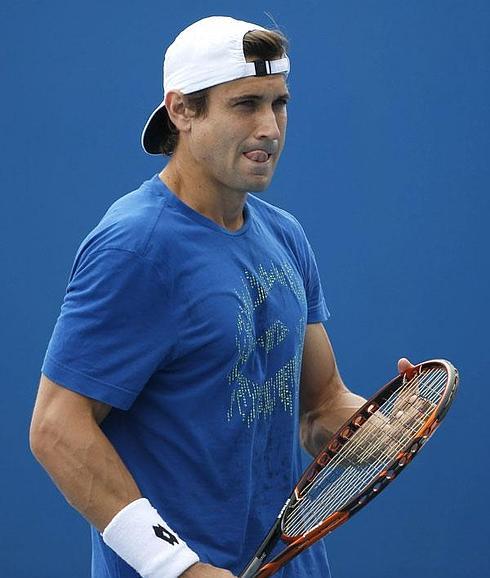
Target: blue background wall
[{"x": 386, "y": 166}]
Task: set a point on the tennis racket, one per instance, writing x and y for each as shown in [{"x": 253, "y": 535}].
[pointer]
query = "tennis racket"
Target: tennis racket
[{"x": 361, "y": 459}]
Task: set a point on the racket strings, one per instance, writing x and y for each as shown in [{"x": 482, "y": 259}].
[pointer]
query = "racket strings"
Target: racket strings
[
  {"x": 349, "y": 478},
  {"x": 374, "y": 445},
  {"x": 349, "y": 475},
  {"x": 353, "y": 482},
  {"x": 343, "y": 457}
]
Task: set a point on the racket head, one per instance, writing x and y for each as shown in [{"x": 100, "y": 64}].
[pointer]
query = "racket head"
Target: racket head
[{"x": 365, "y": 456}]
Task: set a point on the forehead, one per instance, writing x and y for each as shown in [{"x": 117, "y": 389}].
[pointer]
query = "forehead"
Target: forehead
[{"x": 273, "y": 85}]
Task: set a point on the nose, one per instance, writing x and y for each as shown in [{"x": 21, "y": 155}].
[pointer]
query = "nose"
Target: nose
[{"x": 268, "y": 126}]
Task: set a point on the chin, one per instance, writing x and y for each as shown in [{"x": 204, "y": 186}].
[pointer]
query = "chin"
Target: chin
[
  {"x": 258, "y": 189},
  {"x": 258, "y": 185}
]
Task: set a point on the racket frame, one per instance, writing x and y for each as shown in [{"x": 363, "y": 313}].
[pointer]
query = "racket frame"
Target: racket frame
[{"x": 296, "y": 544}]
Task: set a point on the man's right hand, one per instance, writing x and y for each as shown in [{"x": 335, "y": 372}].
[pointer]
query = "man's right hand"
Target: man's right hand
[{"x": 201, "y": 570}]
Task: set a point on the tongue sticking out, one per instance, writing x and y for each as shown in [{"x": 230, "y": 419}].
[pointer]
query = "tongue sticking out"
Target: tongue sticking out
[{"x": 258, "y": 156}]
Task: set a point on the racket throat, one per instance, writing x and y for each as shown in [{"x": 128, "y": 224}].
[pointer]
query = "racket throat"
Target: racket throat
[{"x": 264, "y": 550}]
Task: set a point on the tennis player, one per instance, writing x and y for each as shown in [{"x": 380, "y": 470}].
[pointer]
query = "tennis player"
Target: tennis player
[{"x": 190, "y": 355}]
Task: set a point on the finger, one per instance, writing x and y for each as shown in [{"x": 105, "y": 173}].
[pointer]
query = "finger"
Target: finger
[{"x": 404, "y": 365}]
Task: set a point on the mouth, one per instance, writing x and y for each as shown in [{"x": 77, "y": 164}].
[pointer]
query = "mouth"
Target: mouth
[{"x": 258, "y": 156}]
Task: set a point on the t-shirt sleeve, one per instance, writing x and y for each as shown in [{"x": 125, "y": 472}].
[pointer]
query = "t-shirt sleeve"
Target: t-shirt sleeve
[
  {"x": 317, "y": 307},
  {"x": 114, "y": 329}
]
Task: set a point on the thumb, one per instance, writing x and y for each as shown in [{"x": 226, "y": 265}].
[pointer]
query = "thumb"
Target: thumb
[{"x": 404, "y": 365}]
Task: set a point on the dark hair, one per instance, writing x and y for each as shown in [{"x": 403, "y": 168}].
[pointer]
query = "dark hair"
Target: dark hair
[{"x": 257, "y": 45}]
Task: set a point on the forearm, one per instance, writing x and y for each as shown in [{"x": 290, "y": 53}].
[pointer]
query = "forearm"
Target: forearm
[
  {"x": 320, "y": 424},
  {"x": 84, "y": 465},
  {"x": 93, "y": 478}
]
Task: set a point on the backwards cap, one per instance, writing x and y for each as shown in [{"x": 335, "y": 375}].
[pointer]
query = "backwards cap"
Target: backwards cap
[{"x": 207, "y": 53}]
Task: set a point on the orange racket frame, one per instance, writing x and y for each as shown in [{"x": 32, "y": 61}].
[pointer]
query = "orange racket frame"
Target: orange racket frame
[{"x": 257, "y": 567}]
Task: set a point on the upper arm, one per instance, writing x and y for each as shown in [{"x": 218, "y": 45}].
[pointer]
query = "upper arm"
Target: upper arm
[
  {"x": 58, "y": 407},
  {"x": 115, "y": 328},
  {"x": 320, "y": 379}
]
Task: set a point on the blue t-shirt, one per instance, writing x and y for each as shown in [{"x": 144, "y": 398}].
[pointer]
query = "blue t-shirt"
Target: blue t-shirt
[{"x": 194, "y": 334}]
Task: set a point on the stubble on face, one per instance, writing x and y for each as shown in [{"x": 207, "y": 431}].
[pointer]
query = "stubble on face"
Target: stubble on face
[{"x": 236, "y": 146}]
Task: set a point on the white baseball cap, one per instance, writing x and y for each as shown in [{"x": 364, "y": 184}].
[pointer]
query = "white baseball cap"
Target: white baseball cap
[{"x": 207, "y": 53}]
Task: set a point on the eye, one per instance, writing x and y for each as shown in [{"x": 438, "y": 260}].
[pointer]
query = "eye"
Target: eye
[
  {"x": 281, "y": 102},
  {"x": 246, "y": 103}
]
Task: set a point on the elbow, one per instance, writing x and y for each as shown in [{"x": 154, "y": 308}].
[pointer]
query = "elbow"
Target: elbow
[{"x": 43, "y": 435}]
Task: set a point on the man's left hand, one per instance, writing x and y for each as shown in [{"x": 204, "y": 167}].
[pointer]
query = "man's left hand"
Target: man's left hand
[{"x": 404, "y": 365}]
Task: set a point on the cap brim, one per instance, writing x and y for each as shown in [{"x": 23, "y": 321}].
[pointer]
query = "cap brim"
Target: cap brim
[{"x": 155, "y": 130}]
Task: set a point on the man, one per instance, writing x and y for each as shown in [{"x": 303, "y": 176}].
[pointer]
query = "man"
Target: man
[{"x": 190, "y": 343}]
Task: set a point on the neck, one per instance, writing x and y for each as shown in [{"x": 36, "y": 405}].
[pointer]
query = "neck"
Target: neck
[{"x": 213, "y": 200}]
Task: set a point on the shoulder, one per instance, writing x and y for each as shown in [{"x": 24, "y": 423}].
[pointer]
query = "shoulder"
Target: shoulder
[
  {"x": 277, "y": 219},
  {"x": 273, "y": 214},
  {"x": 131, "y": 224},
  {"x": 280, "y": 225}
]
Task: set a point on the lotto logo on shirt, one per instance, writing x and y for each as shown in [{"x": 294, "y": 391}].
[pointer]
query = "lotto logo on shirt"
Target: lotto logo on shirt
[{"x": 270, "y": 329}]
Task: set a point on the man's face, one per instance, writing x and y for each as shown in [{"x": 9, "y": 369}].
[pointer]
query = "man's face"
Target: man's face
[{"x": 239, "y": 141}]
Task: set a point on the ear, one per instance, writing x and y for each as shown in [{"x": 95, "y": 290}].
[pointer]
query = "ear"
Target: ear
[{"x": 178, "y": 112}]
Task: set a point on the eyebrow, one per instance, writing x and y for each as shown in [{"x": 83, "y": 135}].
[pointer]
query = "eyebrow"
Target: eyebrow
[{"x": 256, "y": 97}]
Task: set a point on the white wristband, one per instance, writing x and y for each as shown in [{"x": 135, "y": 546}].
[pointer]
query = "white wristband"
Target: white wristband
[{"x": 142, "y": 539}]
